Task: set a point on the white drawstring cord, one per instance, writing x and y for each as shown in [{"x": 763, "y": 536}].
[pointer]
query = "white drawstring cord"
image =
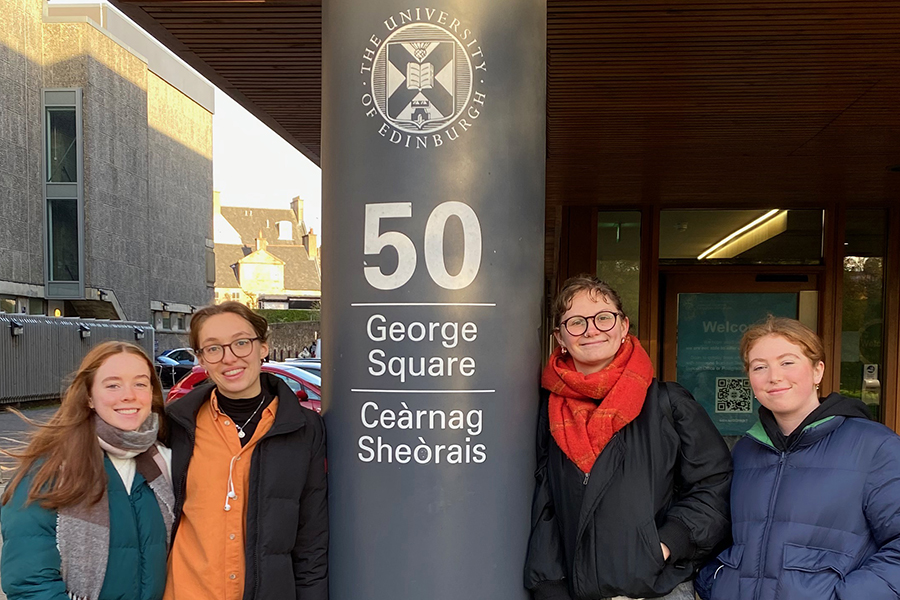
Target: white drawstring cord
[{"x": 230, "y": 495}]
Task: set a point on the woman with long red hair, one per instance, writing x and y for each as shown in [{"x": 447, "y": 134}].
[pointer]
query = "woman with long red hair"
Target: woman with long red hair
[
  {"x": 632, "y": 478},
  {"x": 89, "y": 512}
]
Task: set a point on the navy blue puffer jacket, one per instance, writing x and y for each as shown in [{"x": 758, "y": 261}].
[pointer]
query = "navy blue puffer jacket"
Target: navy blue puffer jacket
[{"x": 817, "y": 522}]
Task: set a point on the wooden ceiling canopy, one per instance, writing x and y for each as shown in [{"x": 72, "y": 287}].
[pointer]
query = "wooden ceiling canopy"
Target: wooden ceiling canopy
[
  {"x": 696, "y": 103},
  {"x": 717, "y": 102},
  {"x": 267, "y": 55}
]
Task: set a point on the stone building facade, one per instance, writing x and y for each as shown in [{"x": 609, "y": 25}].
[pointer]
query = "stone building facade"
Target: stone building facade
[
  {"x": 105, "y": 171},
  {"x": 266, "y": 257}
]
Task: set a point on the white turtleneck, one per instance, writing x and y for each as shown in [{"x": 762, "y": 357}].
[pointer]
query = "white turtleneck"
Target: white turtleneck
[{"x": 126, "y": 467}]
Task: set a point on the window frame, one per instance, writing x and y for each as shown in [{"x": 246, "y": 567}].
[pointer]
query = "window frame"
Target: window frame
[{"x": 56, "y": 98}]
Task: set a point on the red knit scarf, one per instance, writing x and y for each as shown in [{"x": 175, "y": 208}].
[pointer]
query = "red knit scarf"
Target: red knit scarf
[{"x": 587, "y": 410}]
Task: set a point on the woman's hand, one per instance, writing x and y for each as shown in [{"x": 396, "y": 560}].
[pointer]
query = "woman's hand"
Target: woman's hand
[{"x": 665, "y": 550}]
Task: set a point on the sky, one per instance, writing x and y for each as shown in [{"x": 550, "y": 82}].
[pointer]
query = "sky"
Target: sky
[{"x": 253, "y": 166}]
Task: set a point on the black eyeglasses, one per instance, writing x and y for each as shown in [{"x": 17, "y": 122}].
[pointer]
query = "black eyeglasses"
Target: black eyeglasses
[
  {"x": 578, "y": 325},
  {"x": 216, "y": 352}
]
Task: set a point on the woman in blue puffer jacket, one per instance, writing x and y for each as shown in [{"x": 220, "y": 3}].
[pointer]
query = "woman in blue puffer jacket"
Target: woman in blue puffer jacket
[{"x": 816, "y": 492}]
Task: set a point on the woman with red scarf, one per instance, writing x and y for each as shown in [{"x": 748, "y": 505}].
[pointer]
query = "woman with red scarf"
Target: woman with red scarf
[{"x": 633, "y": 479}]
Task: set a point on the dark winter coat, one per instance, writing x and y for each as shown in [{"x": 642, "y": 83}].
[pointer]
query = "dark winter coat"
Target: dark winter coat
[
  {"x": 817, "y": 521},
  {"x": 664, "y": 477},
  {"x": 135, "y": 569},
  {"x": 286, "y": 551}
]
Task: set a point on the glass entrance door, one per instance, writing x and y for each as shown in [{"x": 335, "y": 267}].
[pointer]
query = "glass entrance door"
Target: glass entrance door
[{"x": 705, "y": 318}]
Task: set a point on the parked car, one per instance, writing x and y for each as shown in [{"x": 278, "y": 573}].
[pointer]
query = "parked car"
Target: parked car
[
  {"x": 307, "y": 375},
  {"x": 306, "y": 386},
  {"x": 313, "y": 365},
  {"x": 184, "y": 356},
  {"x": 170, "y": 370}
]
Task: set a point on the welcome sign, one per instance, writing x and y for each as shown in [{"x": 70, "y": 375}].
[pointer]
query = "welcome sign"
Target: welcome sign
[{"x": 710, "y": 327}]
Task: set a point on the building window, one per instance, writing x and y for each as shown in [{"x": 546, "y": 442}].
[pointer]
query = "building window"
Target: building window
[
  {"x": 63, "y": 193},
  {"x": 36, "y": 306},
  {"x": 62, "y": 145},
  {"x": 7, "y": 304},
  {"x": 285, "y": 231},
  {"x": 740, "y": 237},
  {"x": 862, "y": 318},
  {"x": 619, "y": 258},
  {"x": 164, "y": 320},
  {"x": 62, "y": 250}
]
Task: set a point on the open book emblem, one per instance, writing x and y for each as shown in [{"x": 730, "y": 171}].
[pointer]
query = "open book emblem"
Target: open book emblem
[{"x": 422, "y": 78}]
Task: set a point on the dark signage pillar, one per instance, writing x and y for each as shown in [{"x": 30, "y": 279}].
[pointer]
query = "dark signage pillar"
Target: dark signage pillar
[{"x": 433, "y": 143}]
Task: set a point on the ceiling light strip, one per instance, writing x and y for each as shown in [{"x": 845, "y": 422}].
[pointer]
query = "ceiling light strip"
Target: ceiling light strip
[{"x": 740, "y": 231}]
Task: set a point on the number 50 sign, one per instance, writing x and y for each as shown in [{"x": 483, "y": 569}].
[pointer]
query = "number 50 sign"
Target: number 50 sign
[{"x": 375, "y": 242}]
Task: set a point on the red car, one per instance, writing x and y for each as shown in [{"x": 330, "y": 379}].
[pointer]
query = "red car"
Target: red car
[{"x": 306, "y": 386}]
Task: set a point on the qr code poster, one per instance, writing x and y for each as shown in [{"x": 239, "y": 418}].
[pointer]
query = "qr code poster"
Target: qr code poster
[{"x": 733, "y": 395}]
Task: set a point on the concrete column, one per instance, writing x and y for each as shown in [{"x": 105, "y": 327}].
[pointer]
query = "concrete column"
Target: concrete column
[{"x": 433, "y": 144}]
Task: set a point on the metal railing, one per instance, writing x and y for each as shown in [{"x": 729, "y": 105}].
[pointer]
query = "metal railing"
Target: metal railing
[{"x": 37, "y": 353}]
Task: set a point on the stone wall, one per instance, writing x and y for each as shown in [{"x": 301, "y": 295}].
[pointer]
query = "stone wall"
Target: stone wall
[
  {"x": 114, "y": 116},
  {"x": 147, "y": 164},
  {"x": 288, "y": 339},
  {"x": 21, "y": 196},
  {"x": 167, "y": 341},
  {"x": 180, "y": 201}
]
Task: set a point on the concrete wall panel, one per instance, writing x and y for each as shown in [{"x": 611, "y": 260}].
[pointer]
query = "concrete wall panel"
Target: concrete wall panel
[{"x": 180, "y": 194}]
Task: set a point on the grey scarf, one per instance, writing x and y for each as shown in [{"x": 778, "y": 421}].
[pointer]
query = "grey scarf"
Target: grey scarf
[{"x": 82, "y": 530}]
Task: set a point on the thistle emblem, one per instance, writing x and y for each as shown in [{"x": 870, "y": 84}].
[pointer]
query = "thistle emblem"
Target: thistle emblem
[{"x": 420, "y": 49}]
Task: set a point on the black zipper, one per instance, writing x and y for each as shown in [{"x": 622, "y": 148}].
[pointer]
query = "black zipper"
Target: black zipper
[{"x": 580, "y": 532}]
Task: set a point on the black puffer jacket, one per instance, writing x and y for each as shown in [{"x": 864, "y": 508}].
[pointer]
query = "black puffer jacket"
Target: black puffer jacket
[
  {"x": 287, "y": 515},
  {"x": 665, "y": 477}
]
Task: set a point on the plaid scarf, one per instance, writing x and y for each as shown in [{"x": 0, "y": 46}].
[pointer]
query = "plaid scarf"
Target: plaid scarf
[
  {"x": 82, "y": 530},
  {"x": 587, "y": 410}
]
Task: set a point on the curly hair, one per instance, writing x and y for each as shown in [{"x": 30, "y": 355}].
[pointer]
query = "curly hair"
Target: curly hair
[{"x": 584, "y": 283}]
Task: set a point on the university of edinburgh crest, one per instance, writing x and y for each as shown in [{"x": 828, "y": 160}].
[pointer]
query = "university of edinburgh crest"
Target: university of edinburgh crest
[{"x": 424, "y": 79}]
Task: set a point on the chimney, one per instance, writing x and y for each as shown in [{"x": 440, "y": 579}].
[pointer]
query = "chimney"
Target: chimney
[
  {"x": 297, "y": 207},
  {"x": 261, "y": 242},
  {"x": 217, "y": 204},
  {"x": 309, "y": 242}
]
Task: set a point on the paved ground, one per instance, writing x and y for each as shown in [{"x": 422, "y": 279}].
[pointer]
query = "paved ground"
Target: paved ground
[{"x": 13, "y": 431}]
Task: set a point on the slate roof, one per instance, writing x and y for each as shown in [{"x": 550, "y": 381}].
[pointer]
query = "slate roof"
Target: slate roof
[
  {"x": 248, "y": 222},
  {"x": 226, "y": 256},
  {"x": 300, "y": 273}
]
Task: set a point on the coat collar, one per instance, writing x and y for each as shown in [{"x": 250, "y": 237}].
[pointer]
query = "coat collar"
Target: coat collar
[
  {"x": 289, "y": 417},
  {"x": 812, "y": 433}
]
